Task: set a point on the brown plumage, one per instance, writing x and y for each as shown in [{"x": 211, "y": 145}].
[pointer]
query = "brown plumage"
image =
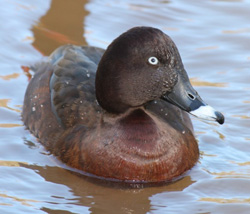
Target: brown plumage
[{"x": 134, "y": 134}]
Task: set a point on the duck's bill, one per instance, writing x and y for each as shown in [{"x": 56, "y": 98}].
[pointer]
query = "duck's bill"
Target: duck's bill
[
  {"x": 208, "y": 113},
  {"x": 185, "y": 97}
]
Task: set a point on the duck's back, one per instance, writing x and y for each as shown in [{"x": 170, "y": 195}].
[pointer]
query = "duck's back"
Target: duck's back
[{"x": 62, "y": 93}]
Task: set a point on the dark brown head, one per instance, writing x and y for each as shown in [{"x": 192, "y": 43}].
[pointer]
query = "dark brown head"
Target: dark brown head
[{"x": 141, "y": 65}]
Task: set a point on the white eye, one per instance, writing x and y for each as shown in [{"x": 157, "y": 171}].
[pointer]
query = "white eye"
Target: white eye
[{"x": 153, "y": 60}]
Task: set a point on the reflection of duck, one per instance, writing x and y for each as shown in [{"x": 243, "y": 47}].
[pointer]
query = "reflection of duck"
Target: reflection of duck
[
  {"x": 48, "y": 34},
  {"x": 135, "y": 134}
]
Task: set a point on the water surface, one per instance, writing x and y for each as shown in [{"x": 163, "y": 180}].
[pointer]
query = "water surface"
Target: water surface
[{"x": 213, "y": 38}]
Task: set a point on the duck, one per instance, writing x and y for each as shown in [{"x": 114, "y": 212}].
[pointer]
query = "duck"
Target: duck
[{"x": 120, "y": 114}]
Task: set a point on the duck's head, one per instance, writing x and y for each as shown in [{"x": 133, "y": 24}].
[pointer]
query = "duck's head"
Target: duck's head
[{"x": 144, "y": 64}]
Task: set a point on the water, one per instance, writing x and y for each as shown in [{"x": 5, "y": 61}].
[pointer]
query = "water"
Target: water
[{"x": 213, "y": 38}]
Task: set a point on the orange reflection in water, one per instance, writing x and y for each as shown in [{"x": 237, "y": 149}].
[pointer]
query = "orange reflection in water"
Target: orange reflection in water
[
  {"x": 58, "y": 37},
  {"x": 243, "y": 30},
  {"x": 241, "y": 116},
  {"x": 24, "y": 202},
  {"x": 4, "y": 104},
  {"x": 230, "y": 174},
  {"x": 226, "y": 200},
  {"x": 197, "y": 82},
  {"x": 9, "y": 125},
  {"x": 11, "y": 163},
  {"x": 10, "y": 76}
]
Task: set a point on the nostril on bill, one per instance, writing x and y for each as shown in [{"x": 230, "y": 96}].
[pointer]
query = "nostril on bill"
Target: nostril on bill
[{"x": 191, "y": 96}]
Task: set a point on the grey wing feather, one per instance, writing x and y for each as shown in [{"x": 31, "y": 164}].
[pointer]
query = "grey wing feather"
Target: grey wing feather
[{"x": 72, "y": 84}]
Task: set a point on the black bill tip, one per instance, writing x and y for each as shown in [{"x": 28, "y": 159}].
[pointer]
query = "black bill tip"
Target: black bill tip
[{"x": 219, "y": 117}]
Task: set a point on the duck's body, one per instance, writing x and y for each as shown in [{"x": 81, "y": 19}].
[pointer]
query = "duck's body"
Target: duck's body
[{"x": 129, "y": 140}]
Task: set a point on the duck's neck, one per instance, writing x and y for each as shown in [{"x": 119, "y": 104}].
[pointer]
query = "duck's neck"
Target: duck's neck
[{"x": 138, "y": 128}]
